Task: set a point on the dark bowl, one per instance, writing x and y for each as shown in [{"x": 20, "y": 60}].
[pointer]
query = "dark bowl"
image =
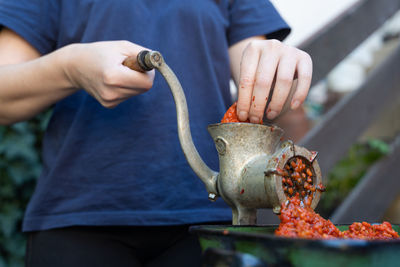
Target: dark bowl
[{"x": 259, "y": 245}]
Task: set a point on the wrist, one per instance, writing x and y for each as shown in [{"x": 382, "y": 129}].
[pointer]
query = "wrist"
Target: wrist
[{"x": 64, "y": 58}]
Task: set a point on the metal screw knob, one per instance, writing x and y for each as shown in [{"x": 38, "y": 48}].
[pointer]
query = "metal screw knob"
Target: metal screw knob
[{"x": 212, "y": 196}]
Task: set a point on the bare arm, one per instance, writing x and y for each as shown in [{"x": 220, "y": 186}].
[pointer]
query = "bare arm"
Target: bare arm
[
  {"x": 255, "y": 64},
  {"x": 30, "y": 83}
]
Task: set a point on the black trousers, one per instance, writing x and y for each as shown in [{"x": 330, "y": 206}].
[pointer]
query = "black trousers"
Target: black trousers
[{"x": 113, "y": 246}]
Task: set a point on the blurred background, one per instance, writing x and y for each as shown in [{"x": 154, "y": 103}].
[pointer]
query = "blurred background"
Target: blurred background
[
  {"x": 352, "y": 114},
  {"x": 351, "y": 117}
]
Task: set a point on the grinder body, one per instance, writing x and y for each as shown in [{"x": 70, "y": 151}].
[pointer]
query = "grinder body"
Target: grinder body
[{"x": 250, "y": 155}]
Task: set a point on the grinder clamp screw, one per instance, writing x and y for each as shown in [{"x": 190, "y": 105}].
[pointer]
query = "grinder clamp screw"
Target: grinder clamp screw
[{"x": 212, "y": 196}]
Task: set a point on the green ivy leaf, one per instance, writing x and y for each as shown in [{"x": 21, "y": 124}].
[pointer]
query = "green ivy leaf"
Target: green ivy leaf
[
  {"x": 9, "y": 219},
  {"x": 2, "y": 131},
  {"x": 14, "y": 147},
  {"x": 380, "y": 146},
  {"x": 20, "y": 165},
  {"x": 3, "y": 262},
  {"x": 21, "y": 172},
  {"x": 16, "y": 247}
]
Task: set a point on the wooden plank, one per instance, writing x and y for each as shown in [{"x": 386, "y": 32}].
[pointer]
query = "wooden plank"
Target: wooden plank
[
  {"x": 344, "y": 123},
  {"x": 369, "y": 200},
  {"x": 340, "y": 37}
]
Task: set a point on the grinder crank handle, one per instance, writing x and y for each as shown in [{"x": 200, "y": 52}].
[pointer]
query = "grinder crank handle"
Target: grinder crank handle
[
  {"x": 148, "y": 60},
  {"x": 140, "y": 63}
]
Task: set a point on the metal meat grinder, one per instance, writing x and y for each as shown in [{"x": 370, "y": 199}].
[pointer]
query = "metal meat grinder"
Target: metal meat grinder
[{"x": 250, "y": 155}]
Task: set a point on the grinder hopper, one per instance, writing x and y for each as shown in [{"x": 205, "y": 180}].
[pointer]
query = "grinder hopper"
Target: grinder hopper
[{"x": 250, "y": 155}]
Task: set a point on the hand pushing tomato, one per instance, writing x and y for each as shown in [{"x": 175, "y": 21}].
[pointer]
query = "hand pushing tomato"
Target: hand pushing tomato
[{"x": 231, "y": 115}]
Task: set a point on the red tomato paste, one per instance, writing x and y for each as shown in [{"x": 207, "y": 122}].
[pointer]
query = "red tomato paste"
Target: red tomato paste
[{"x": 298, "y": 219}]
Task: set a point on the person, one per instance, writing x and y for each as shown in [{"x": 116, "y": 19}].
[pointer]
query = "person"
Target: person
[{"x": 115, "y": 189}]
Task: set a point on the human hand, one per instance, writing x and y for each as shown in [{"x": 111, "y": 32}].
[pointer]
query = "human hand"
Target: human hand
[
  {"x": 266, "y": 65},
  {"x": 97, "y": 68}
]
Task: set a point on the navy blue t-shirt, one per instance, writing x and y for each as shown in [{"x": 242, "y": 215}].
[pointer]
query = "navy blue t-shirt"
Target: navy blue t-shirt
[{"x": 125, "y": 166}]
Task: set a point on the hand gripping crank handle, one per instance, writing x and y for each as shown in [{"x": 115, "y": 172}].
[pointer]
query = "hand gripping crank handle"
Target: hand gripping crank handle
[
  {"x": 142, "y": 62},
  {"x": 148, "y": 60}
]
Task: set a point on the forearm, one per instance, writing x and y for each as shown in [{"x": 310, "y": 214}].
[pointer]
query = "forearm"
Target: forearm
[
  {"x": 30, "y": 87},
  {"x": 30, "y": 83}
]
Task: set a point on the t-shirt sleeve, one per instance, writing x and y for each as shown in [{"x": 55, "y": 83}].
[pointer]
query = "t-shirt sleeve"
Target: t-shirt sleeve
[
  {"x": 249, "y": 18},
  {"x": 34, "y": 20}
]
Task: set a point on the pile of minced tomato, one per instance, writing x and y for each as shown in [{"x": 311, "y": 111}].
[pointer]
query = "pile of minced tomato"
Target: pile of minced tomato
[
  {"x": 299, "y": 220},
  {"x": 297, "y": 217}
]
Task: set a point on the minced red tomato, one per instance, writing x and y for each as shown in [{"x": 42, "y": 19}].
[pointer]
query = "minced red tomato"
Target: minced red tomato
[
  {"x": 231, "y": 115},
  {"x": 299, "y": 220}
]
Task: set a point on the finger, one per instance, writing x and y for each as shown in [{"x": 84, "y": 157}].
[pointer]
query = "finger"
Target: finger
[
  {"x": 135, "y": 79},
  {"x": 304, "y": 76},
  {"x": 111, "y": 97},
  {"x": 284, "y": 80},
  {"x": 130, "y": 52},
  {"x": 111, "y": 104},
  {"x": 131, "y": 49},
  {"x": 125, "y": 93},
  {"x": 122, "y": 76},
  {"x": 262, "y": 86},
  {"x": 107, "y": 97},
  {"x": 248, "y": 69}
]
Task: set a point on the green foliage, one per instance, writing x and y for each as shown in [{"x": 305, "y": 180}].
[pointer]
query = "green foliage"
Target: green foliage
[
  {"x": 20, "y": 165},
  {"x": 348, "y": 171}
]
